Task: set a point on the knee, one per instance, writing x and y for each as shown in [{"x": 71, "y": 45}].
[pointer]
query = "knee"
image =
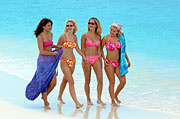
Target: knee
[
  {"x": 53, "y": 84},
  {"x": 64, "y": 81},
  {"x": 87, "y": 81},
  {"x": 71, "y": 82},
  {"x": 123, "y": 82},
  {"x": 100, "y": 81},
  {"x": 111, "y": 83}
]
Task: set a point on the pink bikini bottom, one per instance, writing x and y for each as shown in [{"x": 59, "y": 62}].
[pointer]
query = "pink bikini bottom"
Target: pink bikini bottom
[
  {"x": 115, "y": 64},
  {"x": 92, "y": 60}
]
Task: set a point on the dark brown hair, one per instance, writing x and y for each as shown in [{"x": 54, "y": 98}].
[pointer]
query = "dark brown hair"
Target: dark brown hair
[{"x": 42, "y": 23}]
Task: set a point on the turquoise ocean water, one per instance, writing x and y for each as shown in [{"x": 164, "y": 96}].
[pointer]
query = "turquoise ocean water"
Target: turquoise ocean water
[{"x": 152, "y": 34}]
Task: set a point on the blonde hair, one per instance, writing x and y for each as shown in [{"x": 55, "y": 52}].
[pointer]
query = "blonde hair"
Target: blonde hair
[
  {"x": 118, "y": 29},
  {"x": 98, "y": 29},
  {"x": 74, "y": 23}
]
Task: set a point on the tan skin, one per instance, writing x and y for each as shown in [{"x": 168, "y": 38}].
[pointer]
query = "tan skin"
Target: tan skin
[
  {"x": 68, "y": 71},
  {"x": 45, "y": 36},
  {"x": 97, "y": 66},
  {"x": 113, "y": 55}
]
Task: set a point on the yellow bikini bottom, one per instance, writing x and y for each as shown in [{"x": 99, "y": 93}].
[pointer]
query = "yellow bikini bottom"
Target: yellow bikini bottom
[{"x": 69, "y": 62}]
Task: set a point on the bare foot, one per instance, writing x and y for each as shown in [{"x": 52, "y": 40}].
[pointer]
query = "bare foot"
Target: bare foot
[
  {"x": 79, "y": 105},
  {"x": 115, "y": 105},
  {"x": 117, "y": 100},
  {"x": 46, "y": 103},
  {"x": 89, "y": 103},
  {"x": 60, "y": 99},
  {"x": 46, "y": 107},
  {"x": 101, "y": 102}
]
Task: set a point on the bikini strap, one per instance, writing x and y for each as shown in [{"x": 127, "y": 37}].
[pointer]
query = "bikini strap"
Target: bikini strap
[
  {"x": 65, "y": 37},
  {"x": 99, "y": 37},
  {"x": 110, "y": 39},
  {"x": 75, "y": 37},
  {"x": 86, "y": 36}
]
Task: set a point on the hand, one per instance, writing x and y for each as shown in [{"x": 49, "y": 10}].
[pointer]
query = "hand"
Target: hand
[
  {"x": 84, "y": 58},
  {"x": 106, "y": 61},
  {"x": 128, "y": 62},
  {"x": 55, "y": 53},
  {"x": 60, "y": 47}
]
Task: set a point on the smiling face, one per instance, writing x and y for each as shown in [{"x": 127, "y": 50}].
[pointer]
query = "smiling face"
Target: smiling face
[
  {"x": 47, "y": 27},
  {"x": 113, "y": 31},
  {"x": 92, "y": 24},
  {"x": 70, "y": 27}
]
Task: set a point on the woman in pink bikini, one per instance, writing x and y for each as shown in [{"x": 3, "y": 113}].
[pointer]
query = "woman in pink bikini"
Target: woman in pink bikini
[
  {"x": 69, "y": 41},
  {"x": 44, "y": 79},
  {"x": 112, "y": 61},
  {"x": 90, "y": 46}
]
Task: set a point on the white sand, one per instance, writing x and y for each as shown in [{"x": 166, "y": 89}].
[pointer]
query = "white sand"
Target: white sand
[
  {"x": 14, "y": 105},
  {"x": 11, "y": 111}
]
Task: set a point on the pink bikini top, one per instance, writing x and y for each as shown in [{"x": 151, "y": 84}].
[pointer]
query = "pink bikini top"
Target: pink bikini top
[
  {"x": 111, "y": 46},
  {"x": 47, "y": 43},
  {"x": 89, "y": 42}
]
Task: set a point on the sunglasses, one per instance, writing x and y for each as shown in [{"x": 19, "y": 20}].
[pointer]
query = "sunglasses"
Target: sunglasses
[
  {"x": 69, "y": 25},
  {"x": 92, "y": 23}
]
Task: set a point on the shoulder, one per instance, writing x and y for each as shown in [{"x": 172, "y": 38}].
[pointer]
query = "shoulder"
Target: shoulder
[
  {"x": 99, "y": 36},
  {"x": 40, "y": 37},
  {"x": 83, "y": 36},
  {"x": 51, "y": 34},
  {"x": 62, "y": 36},
  {"x": 75, "y": 36},
  {"x": 106, "y": 37}
]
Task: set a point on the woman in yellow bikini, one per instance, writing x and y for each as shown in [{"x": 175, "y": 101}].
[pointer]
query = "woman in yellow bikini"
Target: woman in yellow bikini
[{"x": 69, "y": 41}]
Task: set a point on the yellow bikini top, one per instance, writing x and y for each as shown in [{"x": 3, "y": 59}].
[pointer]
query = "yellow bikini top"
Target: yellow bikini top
[{"x": 68, "y": 44}]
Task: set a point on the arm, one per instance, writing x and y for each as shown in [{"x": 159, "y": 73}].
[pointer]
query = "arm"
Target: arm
[
  {"x": 83, "y": 40},
  {"x": 57, "y": 46},
  {"x": 60, "y": 41},
  {"x": 41, "y": 49},
  {"x": 127, "y": 58},
  {"x": 102, "y": 46},
  {"x": 78, "y": 49},
  {"x": 99, "y": 48}
]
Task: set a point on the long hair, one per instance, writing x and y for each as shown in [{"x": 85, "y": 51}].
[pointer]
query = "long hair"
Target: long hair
[
  {"x": 74, "y": 23},
  {"x": 42, "y": 23},
  {"x": 98, "y": 29}
]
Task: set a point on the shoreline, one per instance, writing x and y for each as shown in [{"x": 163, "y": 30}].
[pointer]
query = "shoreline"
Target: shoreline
[{"x": 19, "y": 103}]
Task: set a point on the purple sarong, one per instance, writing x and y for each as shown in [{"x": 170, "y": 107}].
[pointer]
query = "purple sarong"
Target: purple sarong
[{"x": 46, "y": 68}]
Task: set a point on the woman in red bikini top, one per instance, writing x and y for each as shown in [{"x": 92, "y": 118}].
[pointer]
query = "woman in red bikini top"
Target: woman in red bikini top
[
  {"x": 90, "y": 46},
  {"x": 112, "y": 62},
  {"x": 69, "y": 41}
]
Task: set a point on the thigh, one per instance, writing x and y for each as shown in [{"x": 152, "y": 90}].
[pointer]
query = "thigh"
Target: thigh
[
  {"x": 117, "y": 72},
  {"x": 72, "y": 67},
  {"x": 97, "y": 66},
  {"x": 66, "y": 70},
  {"x": 109, "y": 69},
  {"x": 121, "y": 78},
  {"x": 86, "y": 69}
]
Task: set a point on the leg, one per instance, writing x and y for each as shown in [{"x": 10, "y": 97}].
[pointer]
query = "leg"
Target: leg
[
  {"x": 61, "y": 90},
  {"x": 98, "y": 71},
  {"x": 44, "y": 98},
  {"x": 122, "y": 80},
  {"x": 67, "y": 71},
  {"x": 87, "y": 74},
  {"x": 52, "y": 85},
  {"x": 109, "y": 69}
]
